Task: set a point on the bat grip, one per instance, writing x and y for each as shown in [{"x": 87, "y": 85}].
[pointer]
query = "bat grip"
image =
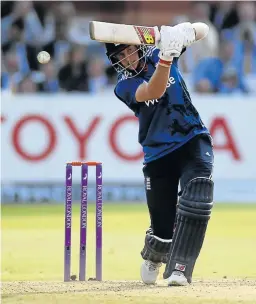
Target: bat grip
[{"x": 157, "y": 35}]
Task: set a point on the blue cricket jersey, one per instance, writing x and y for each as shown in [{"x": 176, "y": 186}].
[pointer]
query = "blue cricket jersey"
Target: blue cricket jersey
[{"x": 167, "y": 123}]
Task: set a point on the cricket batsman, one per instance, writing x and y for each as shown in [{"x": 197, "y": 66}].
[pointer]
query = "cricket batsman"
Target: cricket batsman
[{"x": 177, "y": 150}]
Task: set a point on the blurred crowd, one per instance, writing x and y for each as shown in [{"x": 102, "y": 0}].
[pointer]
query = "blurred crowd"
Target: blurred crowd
[{"x": 224, "y": 62}]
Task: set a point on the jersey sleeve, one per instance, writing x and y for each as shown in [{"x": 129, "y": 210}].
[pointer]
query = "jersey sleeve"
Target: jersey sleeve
[
  {"x": 126, "y": 89},
  {"x": 153, "y": 54},
  {"x": 176, "y": 59}
]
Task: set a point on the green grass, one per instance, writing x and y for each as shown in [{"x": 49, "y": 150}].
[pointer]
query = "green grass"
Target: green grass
[{"x": 33, "y": 243}]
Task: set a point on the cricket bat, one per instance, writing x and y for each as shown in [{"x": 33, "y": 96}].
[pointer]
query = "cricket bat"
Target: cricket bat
[{"x": 123, "y": 33}]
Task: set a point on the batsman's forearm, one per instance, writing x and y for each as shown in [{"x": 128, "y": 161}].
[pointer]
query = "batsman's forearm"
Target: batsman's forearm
[
  {"x": 156, "y": 86},
  {"x": 158, "y": 82}
]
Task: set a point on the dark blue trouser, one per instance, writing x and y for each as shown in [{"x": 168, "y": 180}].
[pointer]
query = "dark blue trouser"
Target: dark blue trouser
[{"x": 162, "y": 178}]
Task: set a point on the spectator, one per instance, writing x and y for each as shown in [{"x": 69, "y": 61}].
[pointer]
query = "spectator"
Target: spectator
[
  {"x": 224, "y": 15},
  {"x": 29, "y": 27},
  {"x": 20, "y": 48},
  {"x": 209, "y": 45},
  {"x": 4, "y": 78},
  {"x": 74, "y": 75},
  {"x": 64, "y": 13},
  {"x": 19, "y": 29},
  {"x": 61, "y": 47},
  {"x": 244, "y": 37},
  {"x": 27, "y": 85},
  {"x": 111, "y": 74},
  {"x": 97, "y": 77},
  {"x": 39, "y": 26},
  {"x": 12, "y": 13},
  {"x": 219, "y": 74},
  {"x": 50, "y": 82},
  {"x": 229, "y": 81},
  {"x": 245, "y": 51},
  {"x": 10, "y": 74},
  {"x": 247, "y": 16}
]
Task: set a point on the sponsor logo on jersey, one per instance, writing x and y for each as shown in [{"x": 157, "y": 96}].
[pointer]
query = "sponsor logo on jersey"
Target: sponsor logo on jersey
[{"x": 171, "y": 81}]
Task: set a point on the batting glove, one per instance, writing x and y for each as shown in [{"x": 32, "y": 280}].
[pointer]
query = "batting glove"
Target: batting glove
[
  {"x": 170, "y": 45},
  {"x": 188, "y": 31}
]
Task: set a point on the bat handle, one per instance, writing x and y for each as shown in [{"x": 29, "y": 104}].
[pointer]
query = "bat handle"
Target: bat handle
[{"x": 157, "y": 35}]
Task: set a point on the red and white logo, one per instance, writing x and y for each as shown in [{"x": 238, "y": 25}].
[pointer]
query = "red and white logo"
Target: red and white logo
[{"x": 180, "y": 267}]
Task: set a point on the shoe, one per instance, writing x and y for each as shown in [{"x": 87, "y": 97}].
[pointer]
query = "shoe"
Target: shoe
[
  {"x": 177, "y": 278},
  {"x": 149, "y": 272}
]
